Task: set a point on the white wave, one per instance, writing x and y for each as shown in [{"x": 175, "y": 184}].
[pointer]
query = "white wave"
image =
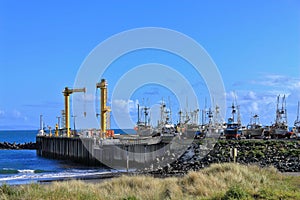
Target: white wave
[
  {"x": 37, "y": 177},
  {"x": 8, "y": 168},
  {"x": 26, "y": 171}
]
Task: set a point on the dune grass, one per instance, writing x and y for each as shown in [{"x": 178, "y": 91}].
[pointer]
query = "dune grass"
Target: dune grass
[{"x": 219, "y": 181}]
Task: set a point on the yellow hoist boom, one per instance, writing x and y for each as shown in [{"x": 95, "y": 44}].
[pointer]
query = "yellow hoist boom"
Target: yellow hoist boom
[
  {"x": 67, "y": 91},
  {"x": 104, "y": 110}
]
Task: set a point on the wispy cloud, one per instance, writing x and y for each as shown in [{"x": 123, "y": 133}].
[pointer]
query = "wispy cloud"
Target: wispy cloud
[
  {"x": 13, "y": 114},
  {"x": 124, "y": 112},
  {"x": 260, "y": 96},
  {"x": 124, "y": 106},
  {"x": 16, "y": 114},
  {"x": 278, "y": 81},
  {"x": 279, "y": 84},
  {"x": 2, "y": 112},
  {"x": 86, "y": 97},
  {"x": 252, "y": 102},
  {"x": 271, "y": 80}
]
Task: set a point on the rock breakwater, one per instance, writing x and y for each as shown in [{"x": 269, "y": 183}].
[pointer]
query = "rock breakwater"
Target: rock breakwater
[
  {"x": 7, "y": 145},
  {"x": 282, "y": 154}
]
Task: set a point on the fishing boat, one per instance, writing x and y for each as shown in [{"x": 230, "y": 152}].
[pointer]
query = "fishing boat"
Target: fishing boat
[
  {"x": 41, "y": 131},
  {"x": 188, "y": 125},
  {"x": 296, "y": 128},
  {"x": 254, "y": 128},
  {"x": 165, "y": 127},
  {"x": 233, "y": 128},
  {"x": 280, "y": 128},
  {"x": 214, "y": 128},
  {"x": 143, "y": 128},
  {"x": 192, "y": 126}
]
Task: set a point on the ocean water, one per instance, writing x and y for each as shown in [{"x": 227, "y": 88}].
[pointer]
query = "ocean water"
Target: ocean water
[
  {"x": 24, "y": 166},
  {"x": 18, "y": 136}
]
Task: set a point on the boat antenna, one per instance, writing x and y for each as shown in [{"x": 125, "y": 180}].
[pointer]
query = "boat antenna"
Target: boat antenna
[
  {"x": 282, "y": 103},
  {"x": 162, "y": 111},
  {"x": 138, "y": 108},
  {"x": 146, "y": 114},
  {"x": 205, "y": 110},
  {"x": 197, "y": 116},
  {"x": 41, "y": 122},
  {"x": 277, "y": 110},
  {"x": 238, "y": 109},
  {"x": 180, "y": 116},
  {"x": 216, "y": 114},
  {"x": 239, "y": 115},
  {"x": 203, "y": 113},
  {"x": 149, "y": 119},
  {"x": 58, "y": 121},
  {"x": 149, "y": 112},
  {"x": 233, "y": 111},
  {"x": 285, "y": 113},
  {"x": 74, "y": 116},
  {"x": 298, "y": 111},
  {"x": 170, "y": 117}
]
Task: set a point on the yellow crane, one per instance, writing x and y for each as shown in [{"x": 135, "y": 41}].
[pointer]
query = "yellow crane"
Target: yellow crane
[
  {"x": 104, "y": 110},
  {"x": 67, "y": 91}
]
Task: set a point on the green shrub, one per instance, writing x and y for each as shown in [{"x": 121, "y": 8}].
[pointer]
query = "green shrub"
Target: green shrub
[
  {"x": 7, "y": 190},
  {"x": 130, "y": 198},
  {"x": 235, "y": 192}
]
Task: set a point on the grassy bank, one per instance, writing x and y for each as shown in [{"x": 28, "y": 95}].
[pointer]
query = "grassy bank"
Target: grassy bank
[{"x": 220, "y": 181}]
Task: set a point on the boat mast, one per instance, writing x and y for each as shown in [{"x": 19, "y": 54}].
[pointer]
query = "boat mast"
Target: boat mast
[
  {"x": 138, "y": 107},
  {"x": 146, "y": 114},
  {"x": 298, "y": 111},
  {"x": 238, "y": 110},
  {"x": 277, "y": 110},
  {"x": 233, "y": 111},
  {"x": 180, "y": 116},
  {"x": 41, "y": 122},
  {"x": 162, "y": 112},
  {"x": 210, "y": 116},
  {"x": 216, "y": 115},
  {"x": 197, "y": 116},
  {"x": 203, "y": 113},
  {"x": 239, "y": 116},
  {"x": 297, "y": 122},
  {"x": 285, "y": 113},
  {"x": 170, "y": 112},
  {"x": 205, "y": 110}
]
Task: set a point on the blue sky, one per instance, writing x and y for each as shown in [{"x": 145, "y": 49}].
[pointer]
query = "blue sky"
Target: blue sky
[{"x": 255, "y": 44}]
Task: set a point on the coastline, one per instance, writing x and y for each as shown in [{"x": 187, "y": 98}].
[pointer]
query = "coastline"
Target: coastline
[
  {"x": 95, "y": 179},
  {"x": 87, "y": 179},
  {"x": 218, "y": 181}
]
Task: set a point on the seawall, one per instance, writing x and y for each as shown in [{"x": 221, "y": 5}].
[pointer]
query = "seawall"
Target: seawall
[
  {"x": 92, "y": 152},
  {"x": 73, "y": 149},
  {"x": 281, "y": 154},
  {"x": 17, "y": 146}
]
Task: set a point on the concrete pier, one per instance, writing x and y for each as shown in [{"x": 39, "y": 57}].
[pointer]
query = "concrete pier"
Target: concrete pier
[
  {"x": 75, "y": 149},
  {"x": 116, "y": 153}
]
